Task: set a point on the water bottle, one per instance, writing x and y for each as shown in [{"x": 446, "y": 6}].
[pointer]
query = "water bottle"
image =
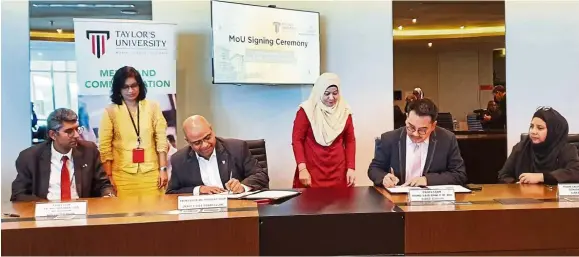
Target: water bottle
[{"x": 455, "y": 124}]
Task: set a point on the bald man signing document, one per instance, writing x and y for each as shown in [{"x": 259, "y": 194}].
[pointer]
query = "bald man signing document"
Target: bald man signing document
[{"x": 213, "y": 165}]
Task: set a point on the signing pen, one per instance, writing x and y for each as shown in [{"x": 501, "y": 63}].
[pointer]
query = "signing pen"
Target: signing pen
[{"x": 12, "y": 215}]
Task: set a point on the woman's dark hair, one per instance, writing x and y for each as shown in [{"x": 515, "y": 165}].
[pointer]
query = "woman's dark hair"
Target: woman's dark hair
[{"x": 119, "y": 79}]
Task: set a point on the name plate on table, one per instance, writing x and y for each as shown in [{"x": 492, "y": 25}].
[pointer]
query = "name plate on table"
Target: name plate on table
[
  {"x": 60, "y": 209},
  {"x": 191, "y": 202},
  {"x": 568, "y": 190},
  {"x": 431, "y": 195}
]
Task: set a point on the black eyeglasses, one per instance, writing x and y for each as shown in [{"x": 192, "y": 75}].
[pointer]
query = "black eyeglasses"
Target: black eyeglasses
[
  {"x": 133, "y": 86},
  {"x": 411, "y": 129}
]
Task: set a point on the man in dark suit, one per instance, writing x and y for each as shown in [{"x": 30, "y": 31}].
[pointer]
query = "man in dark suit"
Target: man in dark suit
[
  {"x": 498, "y": 118},
  {"x": 418, "y": 154},
  {"x": 212, "y": 165},
  {"x": 63, "y": 167}
]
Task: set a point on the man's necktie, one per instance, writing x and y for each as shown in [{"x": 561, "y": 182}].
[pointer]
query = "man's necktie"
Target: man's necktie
[{"x": 64, "y": 180}]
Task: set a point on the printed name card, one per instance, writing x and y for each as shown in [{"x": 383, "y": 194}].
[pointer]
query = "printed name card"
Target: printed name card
[
  {"x": 202, "y": 202},
  {"x": 56, "y": 209},
  {"x": 568, "y": 190},
  {"x": 431, "y": 195}
]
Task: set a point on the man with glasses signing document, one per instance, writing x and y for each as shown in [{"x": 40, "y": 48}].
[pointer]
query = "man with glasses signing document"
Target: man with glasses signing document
[
  {"x": 213, "y": 165},
  {"x": 62, "y": 168},
  {"x": 419, "y": 154}
]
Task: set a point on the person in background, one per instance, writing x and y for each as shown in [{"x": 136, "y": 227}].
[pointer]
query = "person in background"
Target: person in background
[
  {"x": 84, "y": 122},
  {"x": 323, "y": 138},
  {"x": 133, "y": 139},
  {"x": 500, "y": 117},
  {"x": 61, "y": 168},
  {"x": 420, "y": 154},
  {"x": 399, "y": 117},
  {"x": 492, "y": 110},
  {"x": 213, "y": 165},
  {"x": 409, "y": 100},
  {"x": 171, "y": 140},
  {"x": 34, "y": 121},
  {"x": 544, "y": 156},
  {"x": 418, "y": 93},
  {"x": 33, "y": 117},
  {"x": 172, "y": 150}
]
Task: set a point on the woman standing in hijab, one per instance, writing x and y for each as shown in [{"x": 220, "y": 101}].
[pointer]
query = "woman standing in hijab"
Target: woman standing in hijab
[
  {"x": 544, "y": 156},
  {"x": 323, "y": 138}
]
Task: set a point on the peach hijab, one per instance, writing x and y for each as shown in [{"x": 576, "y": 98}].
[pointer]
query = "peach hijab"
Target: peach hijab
[{"x": 327, "y": 122}]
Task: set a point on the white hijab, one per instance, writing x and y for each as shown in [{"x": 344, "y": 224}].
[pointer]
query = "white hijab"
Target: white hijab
[{"x": 327, "y": 122}]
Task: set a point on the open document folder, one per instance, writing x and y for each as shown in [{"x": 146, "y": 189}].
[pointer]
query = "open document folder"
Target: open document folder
[{"x": 405, "y": 189}]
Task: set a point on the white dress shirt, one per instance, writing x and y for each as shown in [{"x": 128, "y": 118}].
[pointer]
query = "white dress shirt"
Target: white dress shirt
[
  {"x": 55, "y": 171},
  {"x": 410, "y": 157},
  {"x": 210, "y": 173}
]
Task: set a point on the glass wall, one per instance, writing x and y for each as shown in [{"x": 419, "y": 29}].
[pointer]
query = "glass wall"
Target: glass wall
[{"x": 52, "y": 77}]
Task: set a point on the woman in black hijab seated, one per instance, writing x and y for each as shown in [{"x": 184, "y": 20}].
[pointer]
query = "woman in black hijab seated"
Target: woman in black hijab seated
[{"x": 544, "y": 156}]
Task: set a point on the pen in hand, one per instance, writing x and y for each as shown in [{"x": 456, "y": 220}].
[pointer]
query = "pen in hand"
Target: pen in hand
[
  {"x": 227, "y": 185},
  {"x": 12, "y": 215}
]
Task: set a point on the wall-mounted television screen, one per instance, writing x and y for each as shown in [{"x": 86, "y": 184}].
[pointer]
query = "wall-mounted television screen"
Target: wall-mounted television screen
[{"x": 264, "y": 45}]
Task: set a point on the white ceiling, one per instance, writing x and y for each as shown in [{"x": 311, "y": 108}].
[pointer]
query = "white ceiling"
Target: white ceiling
[{"x": 52, "y": 18}]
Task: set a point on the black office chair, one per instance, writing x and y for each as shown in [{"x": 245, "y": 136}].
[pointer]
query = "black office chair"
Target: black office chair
[
  {"x": 257, "y": 149},
  {"x": 571, "y": 139},
  {"x": 445, "y": 121}
]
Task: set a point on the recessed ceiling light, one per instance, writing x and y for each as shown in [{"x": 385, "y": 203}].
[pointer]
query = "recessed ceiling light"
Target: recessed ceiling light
[
  {"x": 130, "y": 12},
  {"x": 59, "y": 31},
  {"x": 414, "y": 20},
  {"x": 39, "y": 54},
  {"x": 429, "y": 44},
  {"x": 400, "y": 27}
]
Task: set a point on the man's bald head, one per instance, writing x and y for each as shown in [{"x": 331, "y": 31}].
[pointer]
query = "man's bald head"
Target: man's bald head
[
  {"x": 195, "y": 122},
  {"x": 199, "y": 135}
]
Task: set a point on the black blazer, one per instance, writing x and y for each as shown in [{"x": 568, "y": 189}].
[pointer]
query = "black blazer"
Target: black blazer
[
  {"x": 233, "y": 156},
  {"x": 33, "y": 168},
  {"x": 444, "y": 164}
]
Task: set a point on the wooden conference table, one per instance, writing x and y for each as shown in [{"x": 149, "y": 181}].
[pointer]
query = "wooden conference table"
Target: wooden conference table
[{"x": 355, "y": 221}]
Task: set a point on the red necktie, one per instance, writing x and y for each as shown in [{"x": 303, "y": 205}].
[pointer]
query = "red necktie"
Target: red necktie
[{"x": 64, "y": 180}]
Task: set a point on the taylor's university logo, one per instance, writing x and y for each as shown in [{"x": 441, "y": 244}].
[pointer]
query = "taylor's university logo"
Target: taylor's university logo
[
  {"x": 276, "y": 26},
  {"x": 98, "y": 39}
]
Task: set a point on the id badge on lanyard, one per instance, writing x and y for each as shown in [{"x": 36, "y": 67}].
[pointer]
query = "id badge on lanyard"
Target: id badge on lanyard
[{"x": 138, "y": 152}]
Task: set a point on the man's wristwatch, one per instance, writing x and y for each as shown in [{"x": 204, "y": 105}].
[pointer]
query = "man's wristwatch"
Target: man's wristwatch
[{"x": 164, "y": 168}]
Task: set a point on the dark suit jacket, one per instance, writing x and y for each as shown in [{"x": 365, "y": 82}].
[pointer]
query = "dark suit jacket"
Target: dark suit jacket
[
  {"x": 444, "y": 164},
  {"x": 232, "y": 156},
  {"x": 33, "y": 167}
]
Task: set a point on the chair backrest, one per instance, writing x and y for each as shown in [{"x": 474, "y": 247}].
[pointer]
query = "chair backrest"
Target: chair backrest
[
  {"x": 571, "y": 139},
  {"x": 444, "y": 120},
  {"x": 257, "y": 149},
  {"x": 473, "y": 123}
]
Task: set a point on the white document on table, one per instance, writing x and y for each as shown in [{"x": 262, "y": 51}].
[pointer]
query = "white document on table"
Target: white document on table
[
  {"x": 237, "y": 196},
  {"x": 401, "y": 189},
  {"x": 456, "y": 188},
  {"x": 405, "y": 189}
]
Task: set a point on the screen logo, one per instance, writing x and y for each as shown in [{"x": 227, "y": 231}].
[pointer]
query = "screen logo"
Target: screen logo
[
  {"x": 98, "y": 40},
  {"x": 276, "y": 26}
]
